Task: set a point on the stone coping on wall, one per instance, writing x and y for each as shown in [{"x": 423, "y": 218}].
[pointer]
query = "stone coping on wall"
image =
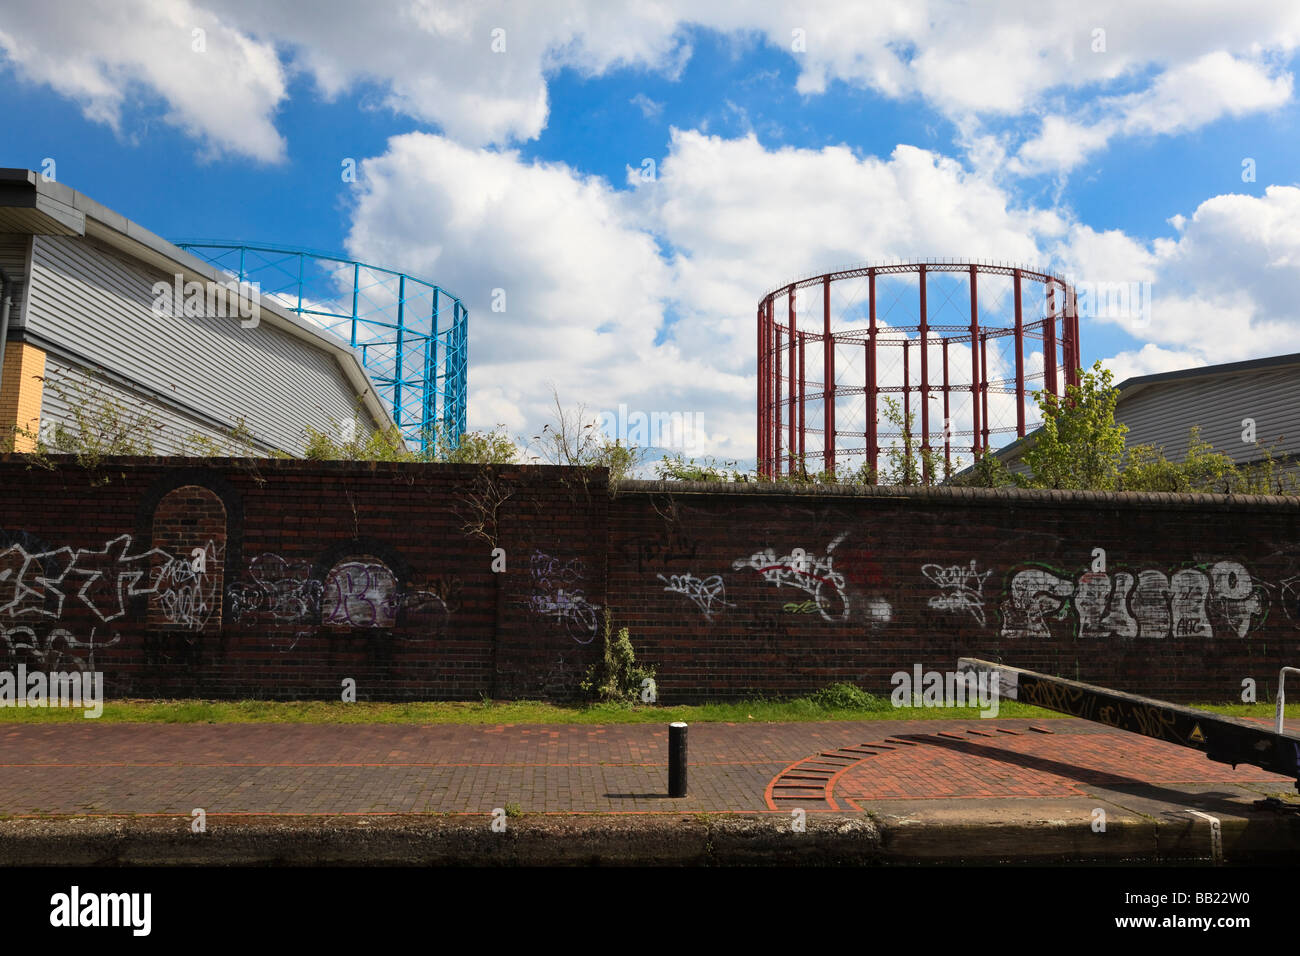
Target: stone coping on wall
[
  {"x": 1139, "y": 500},
  {"x": 939, "y": 495},
  {"x": 596, "y": 477}
]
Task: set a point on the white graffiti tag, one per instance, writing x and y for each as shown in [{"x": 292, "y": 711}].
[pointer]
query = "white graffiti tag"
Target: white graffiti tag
[
  {"x": 1190, "y": 602},
  {"x": 188, "y": 594},
  {"x": 105, "y": 580},
  {"x": 815, "y": 576},
  {"x": 555, "y": 596},
  {"x": 59, "y": 650},
  {"x": 963, "y": 588},
  {"x": 708, "y": 594}
]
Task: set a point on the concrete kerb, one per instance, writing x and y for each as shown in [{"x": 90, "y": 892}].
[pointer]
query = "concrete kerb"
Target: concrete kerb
[{"x": 976, "y": 832}]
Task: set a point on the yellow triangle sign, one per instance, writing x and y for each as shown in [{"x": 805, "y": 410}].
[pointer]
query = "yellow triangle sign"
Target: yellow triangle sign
[{"x": 1196, "y": 734}]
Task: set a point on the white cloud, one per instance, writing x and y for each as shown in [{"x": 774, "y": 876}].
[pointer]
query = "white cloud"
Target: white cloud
[
  {"x": 648, "y": 107},
  {"x": 576, "y": 255},
  {"x": 1150, "y": 360},
  {"x": 434, "y": 60},
  {"x": 1184, "y": 98},
  {"x": 583, "y": 284},
  {"x": 1224, "y": 290},
  {"x": 101, "y": 55}
]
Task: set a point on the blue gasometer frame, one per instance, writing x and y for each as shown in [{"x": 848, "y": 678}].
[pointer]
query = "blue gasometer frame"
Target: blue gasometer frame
[{"x": 412, "y": 335}]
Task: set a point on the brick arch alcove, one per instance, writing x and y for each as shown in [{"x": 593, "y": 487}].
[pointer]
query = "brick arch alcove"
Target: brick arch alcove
[{"x": 189, "y": 534}]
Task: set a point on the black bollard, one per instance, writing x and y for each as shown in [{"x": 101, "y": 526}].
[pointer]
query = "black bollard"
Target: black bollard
[{"x": 677, "y": 759}]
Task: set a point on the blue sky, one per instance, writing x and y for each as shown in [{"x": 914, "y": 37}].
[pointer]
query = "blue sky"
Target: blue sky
[{"x": 904, "y": 131}]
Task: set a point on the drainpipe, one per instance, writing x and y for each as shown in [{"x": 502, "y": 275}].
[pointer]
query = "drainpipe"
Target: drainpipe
[{"x": 6, "y": 289}]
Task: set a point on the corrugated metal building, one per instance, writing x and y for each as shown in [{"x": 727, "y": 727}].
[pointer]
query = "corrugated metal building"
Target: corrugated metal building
[
  {"x": 1224, "y": 400},
  {"x": 86, "y": 315}
]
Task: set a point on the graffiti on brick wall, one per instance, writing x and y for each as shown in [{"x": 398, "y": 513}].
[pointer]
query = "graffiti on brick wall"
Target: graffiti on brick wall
[
  {"x": 188, "y": 593},
  {"x": 278, "y": 591},
  {"x": 104, "y": 580},
  {"x": 708, "y": 594},
  {"x": 798, "y": 570},
  {"x": 57, "y": 650},
  {"x": 961, "y": 588},
  {"x": 660, "y": 550},
  {"x": 1218, "y": 600},
  {"x": 1285, "y": 592},
  {"x": 1289, "y": 597},
  {"x": 37, "y": 584},
  {"x": 449, "y": 589},
  {"x": 557, "y": 594},
  {"x": 360, "y": 592}
]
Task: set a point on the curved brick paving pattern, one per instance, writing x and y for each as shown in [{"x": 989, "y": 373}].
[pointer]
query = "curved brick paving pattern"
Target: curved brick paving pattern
[
  {"x": 89, "y": 768},
  {"x": 992, "y": 762}
]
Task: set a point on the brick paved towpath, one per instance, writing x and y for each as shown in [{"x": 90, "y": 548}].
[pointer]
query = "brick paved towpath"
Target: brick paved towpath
[{"x": 296, "y": 769}]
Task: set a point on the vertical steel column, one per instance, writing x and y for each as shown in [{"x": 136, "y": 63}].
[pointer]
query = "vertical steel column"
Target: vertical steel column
[
  {"x": 925, "y": 383},
  {"x": 828, "y": 380},
  {"x": 873, "y": 445},
  {"x": 356, "y": 285},
  {"x": 1070, "y": 329},
  {"x": 907, "y": 396},
  {"x": 984, "y": 384},
  {"x": 397, "y": 371},
  {"x": 804, "y": 337},
  {"x": 947, "y": 419},
  {"x": 773, "y": 388},
  {"x": 974, "y": 364},
  {"x": 759, "y": 421},
  {"x": 1078, "y": 354},
  {"x": 449, "y": 377},
  {"x": 1049, "y": 342},
  {"x": 1020, "y": 362},
  {"x": 431, "y": 371},
  {"x": 464, "y": 365},
  {"x": 794, "y": 383},
  {"x": 776, "y": 403}
]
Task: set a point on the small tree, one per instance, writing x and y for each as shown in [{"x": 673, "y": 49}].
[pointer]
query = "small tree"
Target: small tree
[
  {"x": 1079, "y": 446},
  {"x": 678, "y": 468},
  {"x": 481, "y": 448},
  {"x": 908, "y": 462}
]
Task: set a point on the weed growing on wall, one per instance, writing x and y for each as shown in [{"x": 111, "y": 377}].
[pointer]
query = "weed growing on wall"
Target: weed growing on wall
[
  {"x": 574, "y": 438},
  {"x": 616, "y": 678},
  {"x": 101, "y": 425},
  {"x": 388, "y": 444}
]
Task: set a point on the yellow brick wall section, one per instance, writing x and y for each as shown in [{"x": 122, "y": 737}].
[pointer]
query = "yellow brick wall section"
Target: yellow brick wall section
[{"x": 21, "y": 389}]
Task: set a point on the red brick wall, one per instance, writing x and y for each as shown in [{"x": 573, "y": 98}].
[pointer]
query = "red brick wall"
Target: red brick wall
[
  {"x": 313, "y": 573},
  {"x": 933, "y": 576}
]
